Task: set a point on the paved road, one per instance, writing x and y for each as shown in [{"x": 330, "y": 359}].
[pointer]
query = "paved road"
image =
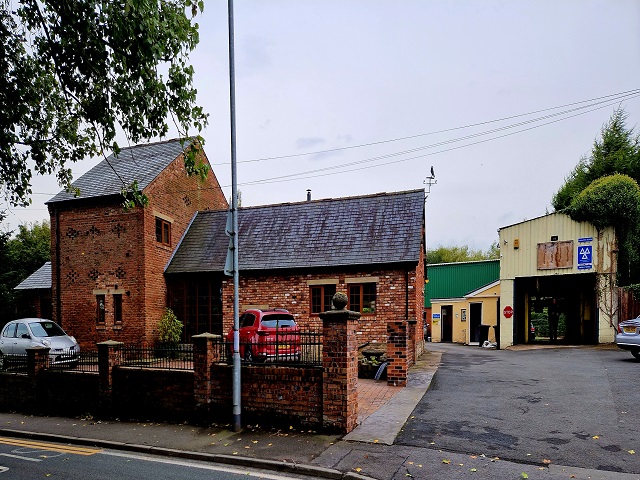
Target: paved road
[
  {"x": 27, "y": 459},
  {"x": 570, "y": 406}
]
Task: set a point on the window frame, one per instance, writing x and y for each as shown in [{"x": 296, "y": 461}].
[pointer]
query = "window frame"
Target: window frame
[
  {"x": 163, "y": 226},
  {"x": 100, "y": 313},
  {"x": 323, "y": 297},
  {"x": 361, "y": 294},
  {"x": 117, "y": 308}
]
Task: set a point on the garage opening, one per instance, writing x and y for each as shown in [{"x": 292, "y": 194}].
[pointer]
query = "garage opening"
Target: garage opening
[{"x": 556, "y": 309}]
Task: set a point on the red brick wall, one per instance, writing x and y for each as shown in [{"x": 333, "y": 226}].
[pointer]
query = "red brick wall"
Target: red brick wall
[
  {"x": 272, "y": 394},
  {"x": 102, "y": 246},
  {"x": 153, "y": 394},
  {"x": 99, "y": 249},
  {"x": 174, "y": 195},
  {"x": 292, "y": 292}
]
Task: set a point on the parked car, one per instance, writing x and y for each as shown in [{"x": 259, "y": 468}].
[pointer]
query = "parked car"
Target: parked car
[
  {"x": 628, "y": 337},
  {"x": 267, "y": 334},
  {"x": 18, "y": 335}
]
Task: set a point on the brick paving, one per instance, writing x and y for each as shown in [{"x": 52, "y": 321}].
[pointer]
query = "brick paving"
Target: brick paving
[{"x": 372, "y": 394}]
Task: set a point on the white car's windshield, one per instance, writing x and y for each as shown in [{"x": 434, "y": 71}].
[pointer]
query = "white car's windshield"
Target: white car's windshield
[{"x": 46, "y": 329}]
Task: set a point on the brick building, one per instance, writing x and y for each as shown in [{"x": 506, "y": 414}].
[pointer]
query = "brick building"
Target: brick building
[
  {"x": 114, "y": 271},
  {"x": 107, "y": 264},
  {"x": 297, "y": 255}
]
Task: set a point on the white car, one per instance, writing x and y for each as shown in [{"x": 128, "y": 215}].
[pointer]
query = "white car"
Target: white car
[
  {"x": 628, "y": 337},
  {"x": 18, "y": 335}
]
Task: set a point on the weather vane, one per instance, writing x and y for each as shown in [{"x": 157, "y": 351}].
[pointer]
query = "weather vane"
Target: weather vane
[{"x": 430, "y": 180}]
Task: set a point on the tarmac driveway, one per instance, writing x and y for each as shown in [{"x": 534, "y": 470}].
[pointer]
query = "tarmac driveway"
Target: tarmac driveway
[{"x": 570, "y": 406}]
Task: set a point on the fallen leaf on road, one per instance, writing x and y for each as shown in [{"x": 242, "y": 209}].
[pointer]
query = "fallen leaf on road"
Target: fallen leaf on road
[
  {"x": 596, "y": 437},
  {"x": 632, "y": 452},
  {"x": 254, "y": 441},
  {"x": 524, "y": 475},
  {"x": 358, "y": 469},
  {"x": 473, "y": 456},
  {"x": 375, "y": 441},
  {"x": 461, "y": 464},
  {"x": 546, "y": 461},
  {"x": 446, "y": 461},
  {"x": 473, "y": 469},
  {"x": 410, "y": 463}
]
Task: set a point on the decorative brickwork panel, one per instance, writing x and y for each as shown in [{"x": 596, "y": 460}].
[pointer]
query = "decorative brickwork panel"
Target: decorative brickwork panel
[{"x": 103, "y": 250}]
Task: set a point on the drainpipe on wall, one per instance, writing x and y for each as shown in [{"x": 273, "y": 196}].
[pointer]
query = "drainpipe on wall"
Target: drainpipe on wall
[
  {"x": 406, "y": 295},
  {"x": 57, "y": 253}
]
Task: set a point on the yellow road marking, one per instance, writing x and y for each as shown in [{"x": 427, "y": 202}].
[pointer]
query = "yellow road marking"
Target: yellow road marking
[{"x": 49, "y": 446}]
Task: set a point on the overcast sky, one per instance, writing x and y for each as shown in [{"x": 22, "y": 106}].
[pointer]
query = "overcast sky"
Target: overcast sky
[{"x": 313, "y": 76}]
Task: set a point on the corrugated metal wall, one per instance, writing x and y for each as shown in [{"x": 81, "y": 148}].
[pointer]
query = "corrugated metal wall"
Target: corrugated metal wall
[
  {"x": 523, "y": 261},
  {"x": 455, "y": 280}
]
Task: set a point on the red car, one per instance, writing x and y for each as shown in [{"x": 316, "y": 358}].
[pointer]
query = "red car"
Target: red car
[{"x": 267, "y": 334}]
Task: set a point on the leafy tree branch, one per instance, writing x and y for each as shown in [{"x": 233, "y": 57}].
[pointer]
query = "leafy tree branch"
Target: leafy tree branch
[{"x": 75, "y": 72}]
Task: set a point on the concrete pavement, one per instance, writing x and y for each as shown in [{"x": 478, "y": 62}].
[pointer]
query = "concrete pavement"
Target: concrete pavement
[{"x": 367, "y": 452}]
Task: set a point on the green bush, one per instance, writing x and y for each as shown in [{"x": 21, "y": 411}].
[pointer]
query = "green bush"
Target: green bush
[
  {"x": 613, "y": 200},
  {"x": 169, "y": 329}
]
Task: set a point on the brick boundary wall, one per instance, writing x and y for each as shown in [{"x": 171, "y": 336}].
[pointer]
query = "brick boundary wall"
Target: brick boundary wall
[{"x": 322, "y": 397}]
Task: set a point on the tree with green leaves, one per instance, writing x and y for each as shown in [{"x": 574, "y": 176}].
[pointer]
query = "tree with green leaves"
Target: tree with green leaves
[
  {"x": 603, "y": 190},
  {"x": 75, "y": 72},
  {"x": 464, "y": 253},
  {"x": 20, "y": 256},
  {"x": 616, "y": 151}
]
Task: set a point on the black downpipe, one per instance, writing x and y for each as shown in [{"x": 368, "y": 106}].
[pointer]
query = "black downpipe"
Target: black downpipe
[
  {"x": 57, "y": 253},
  {"x": 406, "y": 295}
]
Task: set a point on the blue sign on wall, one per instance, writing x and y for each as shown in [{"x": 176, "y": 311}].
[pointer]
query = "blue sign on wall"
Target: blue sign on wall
[
  {"x": 435, "y": 315},
  {"x": 585, "y": 255}
]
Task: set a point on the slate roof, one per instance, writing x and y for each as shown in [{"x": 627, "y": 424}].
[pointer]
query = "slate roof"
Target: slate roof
[
  {"x": 140, "y": 162},
  {"x": 375, "y": 229},
  {"x": 41, "y": 278}
]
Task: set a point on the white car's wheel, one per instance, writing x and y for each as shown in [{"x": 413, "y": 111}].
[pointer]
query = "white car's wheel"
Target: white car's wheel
[{"x": 636, "y": 353}]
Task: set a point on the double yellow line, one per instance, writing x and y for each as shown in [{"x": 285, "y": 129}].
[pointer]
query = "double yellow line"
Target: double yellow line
[{"x": 51, "y": 447}]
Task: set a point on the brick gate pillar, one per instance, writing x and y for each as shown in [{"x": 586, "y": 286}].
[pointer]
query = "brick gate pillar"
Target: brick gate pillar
[
  {"x": 109, "y": 357},
  {"x": 397, "y": 353},
  {"x": 340, "y": 367},
  {"x": 206, "y": 351},
  {"x": 37, "y": 360}
]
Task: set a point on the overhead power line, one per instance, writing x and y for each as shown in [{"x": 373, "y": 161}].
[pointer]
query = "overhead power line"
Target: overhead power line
[
  {"x": 591, "y": 106},
  {"x": 613, "y": 97},
  {"x": 343, "y": 168}
]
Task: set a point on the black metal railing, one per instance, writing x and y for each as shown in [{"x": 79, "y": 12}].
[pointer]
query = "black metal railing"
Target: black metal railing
[
  {"x": 14, "y": 363},
  {"x": 303, "y": 348},
  {"x": 179, "y": 357}
]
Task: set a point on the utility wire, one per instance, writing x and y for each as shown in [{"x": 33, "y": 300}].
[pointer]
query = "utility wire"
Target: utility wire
[
  {"x": 581, "y": 110},
  {"x": 619, "y": 96},
  {"x": 308, "y": 173},
  {"x": 312, "y": 173}
]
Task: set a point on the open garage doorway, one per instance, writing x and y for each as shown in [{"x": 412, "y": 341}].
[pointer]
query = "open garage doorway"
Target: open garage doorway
[{"x": 556, "y": 309}]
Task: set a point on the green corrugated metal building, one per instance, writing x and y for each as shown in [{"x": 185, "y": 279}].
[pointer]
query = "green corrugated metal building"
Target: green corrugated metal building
[{"x": 455, "y": 280}]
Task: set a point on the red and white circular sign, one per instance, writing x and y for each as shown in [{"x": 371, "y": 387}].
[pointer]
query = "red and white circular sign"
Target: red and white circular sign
[{"x": 507, "y": 312}]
